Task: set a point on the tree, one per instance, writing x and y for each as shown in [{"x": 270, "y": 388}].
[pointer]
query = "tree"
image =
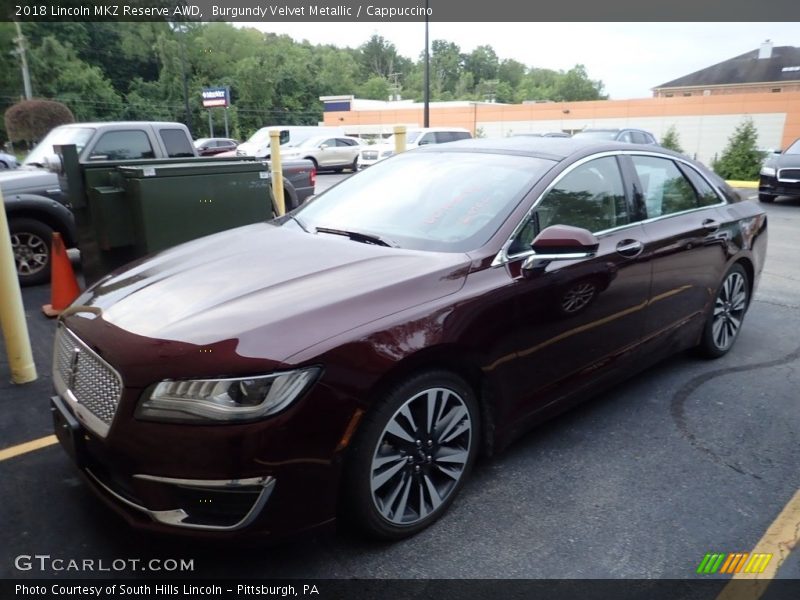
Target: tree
[
  {"x": 575, "y": 85},
  {"x": 671, "y": 141},
  {"x": 741, "y": 158},
  {"x": 378, "y": 57},
  {"x": 30, "y": 120},
  {"x": 482, "y": 63}
]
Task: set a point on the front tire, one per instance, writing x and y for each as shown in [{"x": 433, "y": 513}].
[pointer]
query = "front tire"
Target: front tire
[
  {"x": 30, "y": 243},
  {"x": 412, "y": 455},
  {"x": 727, "y": 314},
  {"x": 768, "y": 198}
]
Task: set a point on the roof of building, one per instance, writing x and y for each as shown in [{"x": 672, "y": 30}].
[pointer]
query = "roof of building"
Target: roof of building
[{"x": 783, "y": 64}]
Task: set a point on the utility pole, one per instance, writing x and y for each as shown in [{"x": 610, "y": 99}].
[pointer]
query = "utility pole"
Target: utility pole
[
  {"x": 426, "y": 113},
  {"x": 26, "y": 76}
]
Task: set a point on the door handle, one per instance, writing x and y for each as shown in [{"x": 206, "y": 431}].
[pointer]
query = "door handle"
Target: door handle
[
  {"x": 710, "y": 225},
  {"x": 630, "y": 248}
]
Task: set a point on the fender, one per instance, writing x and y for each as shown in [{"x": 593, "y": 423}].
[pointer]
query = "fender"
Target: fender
[{"x": 44, "y": 209}]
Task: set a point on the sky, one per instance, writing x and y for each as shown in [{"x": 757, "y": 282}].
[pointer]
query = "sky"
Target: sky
[{"x": 629, "y": 58}]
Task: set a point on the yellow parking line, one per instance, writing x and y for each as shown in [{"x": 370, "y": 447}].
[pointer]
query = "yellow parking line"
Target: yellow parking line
[
  {"x": 781, "y": 537},
  {"x": 27, "y": 447}
]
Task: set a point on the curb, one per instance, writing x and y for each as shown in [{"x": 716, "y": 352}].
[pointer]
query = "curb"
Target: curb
[{"x": 743, "y": 184}]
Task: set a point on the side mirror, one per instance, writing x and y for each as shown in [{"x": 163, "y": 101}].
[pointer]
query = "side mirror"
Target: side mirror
[{"x": 559, "y": 242}]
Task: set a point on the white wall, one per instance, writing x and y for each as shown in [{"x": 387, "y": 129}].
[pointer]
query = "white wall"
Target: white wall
[{"x": 700, "y": 136}]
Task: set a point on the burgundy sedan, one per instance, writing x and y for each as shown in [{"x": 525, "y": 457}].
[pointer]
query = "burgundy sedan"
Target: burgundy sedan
[{"x": 354, "y": 357}]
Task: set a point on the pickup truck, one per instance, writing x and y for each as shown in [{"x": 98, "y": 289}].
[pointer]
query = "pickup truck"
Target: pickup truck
[{"x": 36, "y": 205}]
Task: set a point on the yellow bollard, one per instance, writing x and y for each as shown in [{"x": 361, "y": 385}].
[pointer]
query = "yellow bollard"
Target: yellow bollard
[
  {"x": 399, "y": 139},
  {"x": 277, "y": 171},
  {"x": 12, "y": 313}
]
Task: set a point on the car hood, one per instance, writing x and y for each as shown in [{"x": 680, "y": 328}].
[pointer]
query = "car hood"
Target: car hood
[
  {"x": 25, "y": 179},
  {"x": 785, "y": 161},
  {"x": 275, "y": 290}
]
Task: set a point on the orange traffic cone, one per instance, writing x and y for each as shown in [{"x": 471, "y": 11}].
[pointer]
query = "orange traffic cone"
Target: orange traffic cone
[{"x": 63, "y": 284}]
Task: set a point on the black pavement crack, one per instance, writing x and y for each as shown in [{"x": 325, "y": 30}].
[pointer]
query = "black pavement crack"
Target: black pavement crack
[{"x": 678, "y": 404}]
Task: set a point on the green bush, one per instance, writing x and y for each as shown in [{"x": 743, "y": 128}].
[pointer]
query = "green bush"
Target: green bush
[
  {"x": 741, "y": 159},
  {"x": 671, "y": 141}
]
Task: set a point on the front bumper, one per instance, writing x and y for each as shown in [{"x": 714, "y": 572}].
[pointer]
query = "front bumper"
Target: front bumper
[
  {"x": 171, "y": 484},
  {"x": 774, "y": 187}
]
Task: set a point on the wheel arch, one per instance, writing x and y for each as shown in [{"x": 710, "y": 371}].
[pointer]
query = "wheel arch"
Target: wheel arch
[{"x": 454, "y": 359}]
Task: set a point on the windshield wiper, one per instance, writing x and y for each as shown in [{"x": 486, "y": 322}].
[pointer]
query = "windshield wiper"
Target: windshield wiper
[{"x": 356, "y": 236}]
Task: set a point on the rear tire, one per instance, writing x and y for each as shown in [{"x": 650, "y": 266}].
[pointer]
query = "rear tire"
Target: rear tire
[
  {"x": 30, "y": 242},
  {"x": 727, "y": 313},
  {"x": 766, "y": 198},
  {"x": 412, "y": 455}
]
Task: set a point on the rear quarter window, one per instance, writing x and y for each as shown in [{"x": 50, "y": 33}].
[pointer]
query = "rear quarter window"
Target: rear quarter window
[{"x": 176, "y": 143}]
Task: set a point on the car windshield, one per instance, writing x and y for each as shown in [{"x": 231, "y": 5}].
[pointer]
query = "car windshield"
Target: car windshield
[
  {"x": 58, "y": 137},
  {"x": 794, "y": 148},
  {"x": 438, "y": 201},
  {"x": 596, "y": 135}
]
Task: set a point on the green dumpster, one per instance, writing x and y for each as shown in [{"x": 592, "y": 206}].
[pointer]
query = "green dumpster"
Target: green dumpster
[{"x": 173, "y": 203}]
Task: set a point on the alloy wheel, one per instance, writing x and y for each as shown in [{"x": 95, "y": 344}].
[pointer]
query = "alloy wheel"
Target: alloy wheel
[
  {"x": 421, "y": 456},
  {"x": 729, "y": 309},
  {"x": 30, "y": 252}
]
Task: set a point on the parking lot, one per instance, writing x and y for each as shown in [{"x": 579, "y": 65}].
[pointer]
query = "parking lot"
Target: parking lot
[{"x": 687, "y": 458}]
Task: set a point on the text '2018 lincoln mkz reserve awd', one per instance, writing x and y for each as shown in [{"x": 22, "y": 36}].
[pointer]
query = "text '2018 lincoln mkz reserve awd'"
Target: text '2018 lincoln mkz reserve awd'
[{"x": 355, "y": 356}]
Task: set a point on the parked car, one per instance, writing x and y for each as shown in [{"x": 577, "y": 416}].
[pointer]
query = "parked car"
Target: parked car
[
  {"x": 424, "y": 311},
  {"x": 8, "y": 161},
  {"x": 780, "y": 175},
  {"x": 544, "y": 134},
  {"x": 414, "y": 138},
  {"x": 326, "y": 152},
  {"x": 258, "y": 144},
  {"x": 631, "y": 136},
  {"x": 213, "y": 146}
]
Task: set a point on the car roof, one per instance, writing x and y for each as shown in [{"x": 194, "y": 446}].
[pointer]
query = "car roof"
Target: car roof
[{"x": 553, "y": 148}]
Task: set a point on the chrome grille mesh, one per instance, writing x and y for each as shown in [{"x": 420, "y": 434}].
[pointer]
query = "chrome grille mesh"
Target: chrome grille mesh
[{"x": 89, "y": 379}]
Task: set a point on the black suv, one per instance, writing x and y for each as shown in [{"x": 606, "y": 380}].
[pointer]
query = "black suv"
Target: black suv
[{"x": 632, "y": 136}]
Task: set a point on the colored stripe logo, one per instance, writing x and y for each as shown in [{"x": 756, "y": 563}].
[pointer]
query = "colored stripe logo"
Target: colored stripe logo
[{"x": 734, "y": 562}]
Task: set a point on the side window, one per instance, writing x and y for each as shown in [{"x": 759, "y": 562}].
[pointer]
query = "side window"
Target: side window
[
  {"x": 428, "y": 138},
  {"x": 460, "y": 135},
  {"x": 122, "y": 145},
  {"x": 345, "y": 143},
  {"x": 706, "y": 196},
  {"x": 331, "y": 143},
  {"x": 442, "y": 137},
  {"x": 176, "y": 143},
  {"x": 626, "y": 136},
  {"x": 639, "y": 137},
  {"x": 666, "y": 190},
  {"x": 590, "y": 196}
]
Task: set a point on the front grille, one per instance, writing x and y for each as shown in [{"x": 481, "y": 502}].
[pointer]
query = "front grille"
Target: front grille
[
  {"x": 82, "y": 376},
  {"x": 789, "y": 174},
  {"x": 369, "y": 155}
]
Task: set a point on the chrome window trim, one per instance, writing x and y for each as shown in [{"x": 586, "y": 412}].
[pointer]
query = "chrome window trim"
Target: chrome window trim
[
  {"x": 177, "y": 516},
  {"x": 502, "y": 257},
  {"x": 88, "y": 418}
]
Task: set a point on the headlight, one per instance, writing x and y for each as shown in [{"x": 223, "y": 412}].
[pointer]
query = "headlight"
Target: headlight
[
  {"x": 768, "y": 171},
  {"x": 226, "y": 400}
]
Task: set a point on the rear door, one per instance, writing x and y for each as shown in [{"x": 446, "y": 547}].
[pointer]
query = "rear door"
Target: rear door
[{"x": 687, "y": 235}]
